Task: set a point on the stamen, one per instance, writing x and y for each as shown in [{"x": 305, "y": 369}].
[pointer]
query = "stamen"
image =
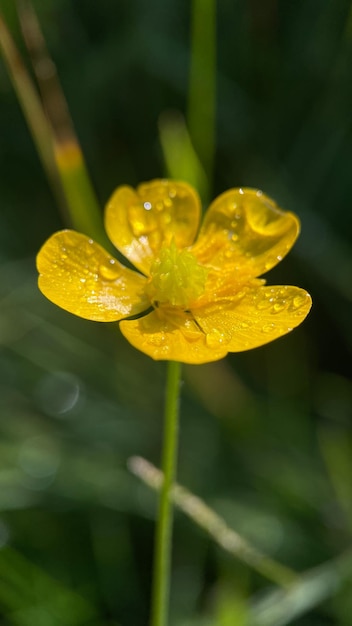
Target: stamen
[{"x": 176, "y": 277}]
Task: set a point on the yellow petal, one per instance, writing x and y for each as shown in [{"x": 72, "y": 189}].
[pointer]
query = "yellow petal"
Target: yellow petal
[
  {"x": 140, "y": 222},
  {"x": 80, "y": 277},
  {"x": 246, "y": 232},
  {"x": 253, "y": 318},
  {"x": 173, "y": 336}
]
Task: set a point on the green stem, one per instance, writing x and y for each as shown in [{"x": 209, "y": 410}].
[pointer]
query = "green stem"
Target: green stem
[{"x": 162, "y": 554}]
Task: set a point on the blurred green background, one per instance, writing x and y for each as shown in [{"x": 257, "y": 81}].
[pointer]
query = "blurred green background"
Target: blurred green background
[{"x": 265, "y": 435}]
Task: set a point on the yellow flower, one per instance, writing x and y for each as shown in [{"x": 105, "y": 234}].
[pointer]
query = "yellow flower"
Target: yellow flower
[{"x": 192, "y": 299}]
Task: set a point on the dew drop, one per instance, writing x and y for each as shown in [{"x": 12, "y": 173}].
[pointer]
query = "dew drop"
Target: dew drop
[
  {"x": 269, "y": 264},
  {"x": 215, "y": 338},
  {"x": 109, "y": 271},
  {"x": 298, "y": 301},
  {"x": 263, "y": 304},
  {"x": 147, "y": 206},
  {"x": 234, "y": 237},
  {"x": 279, "y": 306},
  {"x": 268, "y": 328},
  {"x": 156, "y": 340},
  {"x": 232, "y": 206},
  {"x": 138, "y": 228}
]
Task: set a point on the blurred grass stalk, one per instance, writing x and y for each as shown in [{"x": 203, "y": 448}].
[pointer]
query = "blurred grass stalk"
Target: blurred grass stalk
[
  {"x": 202, "y": 84},
  {"x": 281, "y": 606},
  {"x": 181, "y": 160},
  {"x": 299, "y": 593},
  {"x": 189, "y": 148},
  {"x": 210, "y": 521},
  {"x": 50, "y": 124},
  {"x": 32, "y": 109}
]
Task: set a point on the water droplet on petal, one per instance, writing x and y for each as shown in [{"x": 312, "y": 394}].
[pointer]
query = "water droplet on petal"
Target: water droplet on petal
[
  {"x": 263, "y": 304},
  {"x": 268, "y": 328},
  {"x": 109, "y": 270},
  {"x": 298, "y": 301},
  {"x": 269, "y": 263},
  {"x": 279, "y": 306},
  {"x": 156, "y": 340},
  {"x": 215, "y": 338}
]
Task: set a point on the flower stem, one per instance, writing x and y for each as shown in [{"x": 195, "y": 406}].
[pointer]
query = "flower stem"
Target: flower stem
[{"x": 162, "y": 553}]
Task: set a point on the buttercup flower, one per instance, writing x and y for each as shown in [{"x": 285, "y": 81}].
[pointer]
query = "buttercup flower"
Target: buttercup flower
[{"x": 191, "y": 299}]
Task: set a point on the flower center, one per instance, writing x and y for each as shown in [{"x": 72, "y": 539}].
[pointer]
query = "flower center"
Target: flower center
[{"x": 176, "y": 277}]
